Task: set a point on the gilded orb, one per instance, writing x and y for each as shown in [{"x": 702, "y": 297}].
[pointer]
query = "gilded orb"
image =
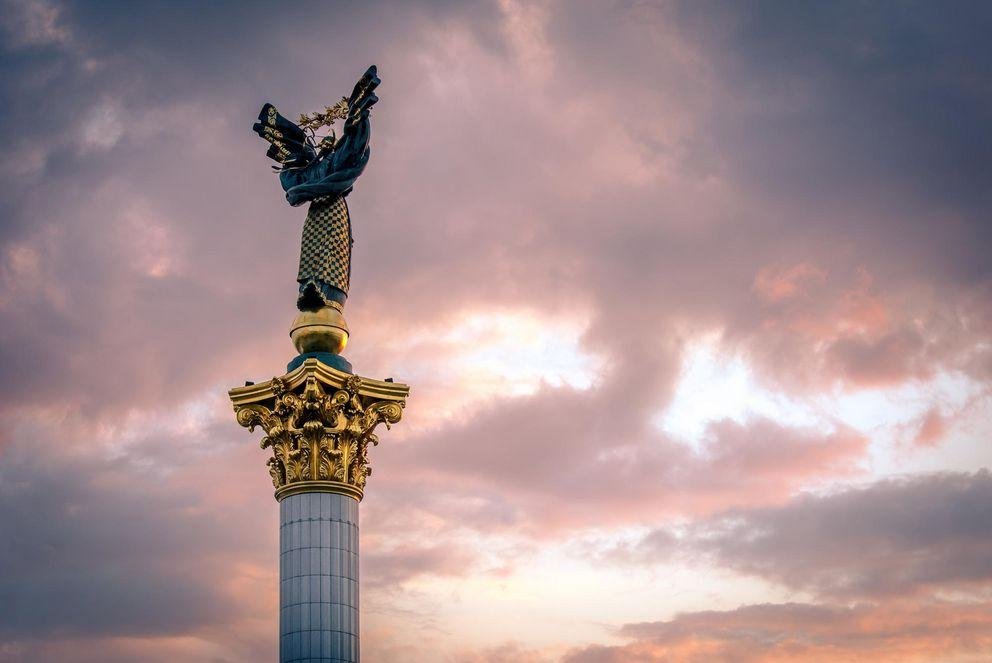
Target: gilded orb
[{"x": 323, "y": 330}]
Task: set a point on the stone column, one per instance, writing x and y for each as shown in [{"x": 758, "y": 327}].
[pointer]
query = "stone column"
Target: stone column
[
  {"x": 319, "y": 423},
  {"x": 318, "y": 572}
]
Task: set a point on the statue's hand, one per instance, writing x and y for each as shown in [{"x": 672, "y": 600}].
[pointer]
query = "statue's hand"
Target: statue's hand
[
  {"x": 364, "y": 87},
  {"x": 360, "y": 111},
  {"x": 362, "y": 99}
]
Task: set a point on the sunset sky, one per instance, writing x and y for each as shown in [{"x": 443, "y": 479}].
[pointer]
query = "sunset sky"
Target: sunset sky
[{"x": 694, "y": 298}]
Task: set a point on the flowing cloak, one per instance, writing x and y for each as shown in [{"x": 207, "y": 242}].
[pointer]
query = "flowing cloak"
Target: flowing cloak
[{"x": 322, "y": 175}]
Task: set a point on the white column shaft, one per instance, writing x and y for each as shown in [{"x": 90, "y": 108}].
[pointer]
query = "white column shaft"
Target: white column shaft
[{"x": 318, "y": 572}]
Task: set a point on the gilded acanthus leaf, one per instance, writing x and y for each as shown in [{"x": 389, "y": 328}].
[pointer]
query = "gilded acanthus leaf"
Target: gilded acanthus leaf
[{"x": 319, "y": 436}]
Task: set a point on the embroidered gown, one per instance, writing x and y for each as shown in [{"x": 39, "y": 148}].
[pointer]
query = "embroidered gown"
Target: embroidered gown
[{"x": 322, "y": 175}]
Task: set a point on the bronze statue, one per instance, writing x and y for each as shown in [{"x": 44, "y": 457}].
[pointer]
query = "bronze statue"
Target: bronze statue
[{"x": 322, "y": 171}]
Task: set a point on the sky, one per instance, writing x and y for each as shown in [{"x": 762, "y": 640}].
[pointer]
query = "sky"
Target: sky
[{"x": 694, "y": 298}]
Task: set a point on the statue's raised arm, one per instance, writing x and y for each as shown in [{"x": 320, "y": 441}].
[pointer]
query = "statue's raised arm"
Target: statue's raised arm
[
  {"x": 334, "y": 165},
  {"x": 322, "y": 172}
]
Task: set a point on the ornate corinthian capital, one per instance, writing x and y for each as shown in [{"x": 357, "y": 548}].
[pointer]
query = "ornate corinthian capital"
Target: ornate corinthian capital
[{"x": 319, "y": 423}]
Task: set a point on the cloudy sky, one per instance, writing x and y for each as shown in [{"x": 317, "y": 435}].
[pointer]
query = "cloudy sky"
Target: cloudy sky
[{"x": 695, "y": 300}]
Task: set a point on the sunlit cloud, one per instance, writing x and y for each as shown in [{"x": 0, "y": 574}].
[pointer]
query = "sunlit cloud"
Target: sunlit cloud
[
  {"x": 473, "y": 357},
  {"x": 717, "y": 384},
  {"x": 714, "y": 386}
]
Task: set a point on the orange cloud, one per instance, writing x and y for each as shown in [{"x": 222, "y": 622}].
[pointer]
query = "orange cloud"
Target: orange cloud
[
  {"x": 776, "y": 284},
  {"x": 804, "y": 633}
]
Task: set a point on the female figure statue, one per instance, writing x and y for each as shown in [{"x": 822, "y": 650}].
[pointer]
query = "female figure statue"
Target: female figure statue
[{"x": 322, "y": 173}]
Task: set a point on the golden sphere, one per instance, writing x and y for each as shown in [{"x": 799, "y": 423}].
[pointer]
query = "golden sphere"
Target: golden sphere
[{"x": 323, "y": 330}]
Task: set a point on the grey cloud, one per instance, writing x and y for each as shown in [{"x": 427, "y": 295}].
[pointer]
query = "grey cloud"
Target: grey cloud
[
  {"x": 883, "y": 89},
  {"x": 98, "y": 548},
  {"x": 895, "y": 537},
  {"x": 390, "y": 568}
]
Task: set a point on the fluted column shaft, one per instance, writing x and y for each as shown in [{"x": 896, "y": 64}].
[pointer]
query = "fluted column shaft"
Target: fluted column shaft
[{"x": 318, "y": 572}]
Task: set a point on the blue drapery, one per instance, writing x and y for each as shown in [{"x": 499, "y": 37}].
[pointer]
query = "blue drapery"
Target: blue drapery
[{"x": 309, "y": 171}]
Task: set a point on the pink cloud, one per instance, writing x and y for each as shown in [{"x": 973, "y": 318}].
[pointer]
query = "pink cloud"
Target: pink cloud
[
  {"x": 573, "y": 463},
  {"x": 933, "y": 427},
  {"x": 810, "y": 633},
  {"x": 781, "y": 283}
]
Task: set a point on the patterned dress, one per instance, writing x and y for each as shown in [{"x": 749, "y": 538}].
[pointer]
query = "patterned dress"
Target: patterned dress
[{"x": 325, "y": 254}]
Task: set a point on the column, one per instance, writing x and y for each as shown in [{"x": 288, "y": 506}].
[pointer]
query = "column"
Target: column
[
  {"x": 318, "y": 589},
  {"x": 319, "y": 425}
]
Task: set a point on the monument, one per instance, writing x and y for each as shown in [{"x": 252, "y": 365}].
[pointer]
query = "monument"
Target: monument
[{"x": 320, "y": 418}]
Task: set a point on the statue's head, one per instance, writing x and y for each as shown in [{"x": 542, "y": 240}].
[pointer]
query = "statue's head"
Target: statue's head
[{"x": 327, "y": 143}]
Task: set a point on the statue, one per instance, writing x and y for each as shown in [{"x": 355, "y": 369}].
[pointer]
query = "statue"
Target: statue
[
  {"x": 322, "y": 172},
  {"x": 320, "y": 418}
]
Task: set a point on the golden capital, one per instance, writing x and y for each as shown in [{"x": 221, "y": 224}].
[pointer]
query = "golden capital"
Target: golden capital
[{"x": 319, "y": 423}]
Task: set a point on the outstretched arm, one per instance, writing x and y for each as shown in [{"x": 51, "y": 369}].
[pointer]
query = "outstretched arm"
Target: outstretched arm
[
  {"x": 353, "y": 150},
  {"x": 335, "y": 173},
  {"x": 290, "y": 145}
]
